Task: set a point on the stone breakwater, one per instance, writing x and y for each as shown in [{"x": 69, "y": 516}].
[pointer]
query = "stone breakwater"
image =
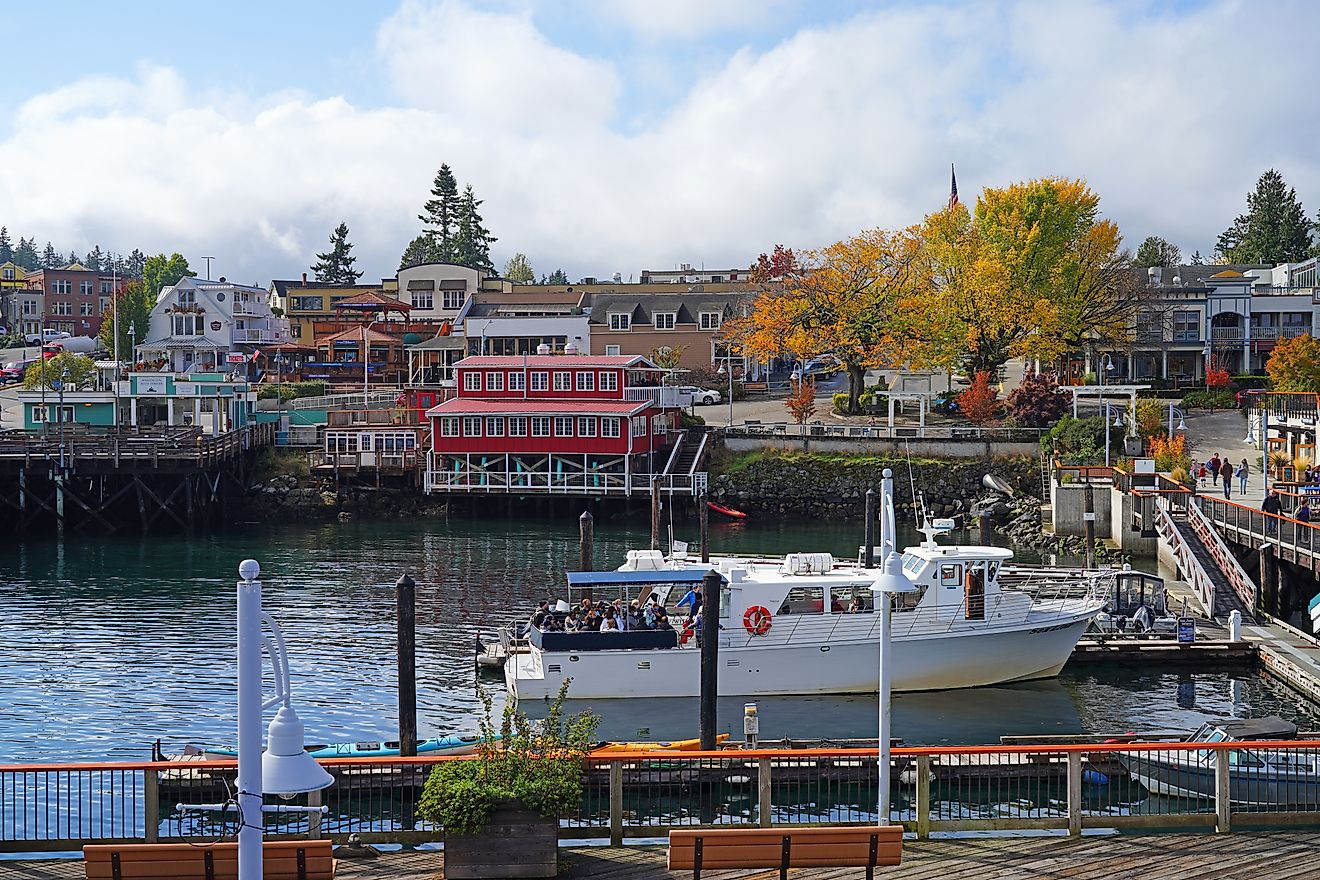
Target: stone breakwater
[
  {"x": 834, "y": 487},
  {"x": 292, "y": 497}
]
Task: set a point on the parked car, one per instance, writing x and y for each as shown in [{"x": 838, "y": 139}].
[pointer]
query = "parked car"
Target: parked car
[
  {"x": 14, "y": 370},
  {"x": 47, "y": 335},
  {"x": 701, "y": 396},
  {"x": 825, "y": 365}
]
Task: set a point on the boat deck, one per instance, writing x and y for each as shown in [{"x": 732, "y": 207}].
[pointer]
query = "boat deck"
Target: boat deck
[{"x": 1277, "y": 855}]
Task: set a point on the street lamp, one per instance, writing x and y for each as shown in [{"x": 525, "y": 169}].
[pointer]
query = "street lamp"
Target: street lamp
[
  {"x": 890, "y": 582},
  {"x": 1264, "y": 444},
  {"x": 1106, "y": 364},
  {"x": 1182, "y": 421},
  {"x": 727, "y": 367},
  {"x": 1118, "y": 423},
  {"x": 366, "y": 361},
  {"x": 286, "y": 768}
]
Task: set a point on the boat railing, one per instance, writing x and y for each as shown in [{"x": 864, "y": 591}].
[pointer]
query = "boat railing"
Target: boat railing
[{"x": 936, "y": 789}]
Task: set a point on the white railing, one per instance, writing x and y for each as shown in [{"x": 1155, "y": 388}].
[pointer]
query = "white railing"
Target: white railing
[
  {"x": 1187, "y": 563},
  {"x": 752, "y": 428},
  {"x": 1223, "y": 557},
  {"x": 259, "y": 336},
  {"x": 575, "y": 483},
  {"x": 343, "y": 401},
  {"x": 660, "y": 396}
]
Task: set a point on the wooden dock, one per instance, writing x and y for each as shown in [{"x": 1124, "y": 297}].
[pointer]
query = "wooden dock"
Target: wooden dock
[{"x": 1276, "y": 855}]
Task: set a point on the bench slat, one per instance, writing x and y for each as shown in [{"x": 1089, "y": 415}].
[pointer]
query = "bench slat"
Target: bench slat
[
  {"x": 763, "y": 847},
  {"x": 317, "y": 867},
  {"x": 836, "y": 834},
  {"x": 175, "y": 860}
]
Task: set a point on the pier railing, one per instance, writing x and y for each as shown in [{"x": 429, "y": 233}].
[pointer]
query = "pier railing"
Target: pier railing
[{"x": 1005, "y": 788}]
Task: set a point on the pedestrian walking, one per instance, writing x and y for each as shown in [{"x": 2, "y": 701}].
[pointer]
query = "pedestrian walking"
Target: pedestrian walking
[
  {"x": 1303, "y": 513},
  {"x": 1213, "y": 465},
  {"x": 1271, "y": 505},
  {"x": 1242, "y": 471},
  {"x": 1226, "y": 471}
]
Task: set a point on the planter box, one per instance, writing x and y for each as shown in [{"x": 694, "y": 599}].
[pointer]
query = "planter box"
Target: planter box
[{"x": 516, "y": 842}]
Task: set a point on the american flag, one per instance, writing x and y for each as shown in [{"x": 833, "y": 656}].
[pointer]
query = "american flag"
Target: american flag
[{"x": 953, "y": 188}]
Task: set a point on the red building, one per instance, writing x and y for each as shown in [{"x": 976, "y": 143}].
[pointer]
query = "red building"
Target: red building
[{"x": 569, "y": 424}]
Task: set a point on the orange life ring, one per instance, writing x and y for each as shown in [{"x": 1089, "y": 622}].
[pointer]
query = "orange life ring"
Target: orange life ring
[{"x": 756, "y": 620}]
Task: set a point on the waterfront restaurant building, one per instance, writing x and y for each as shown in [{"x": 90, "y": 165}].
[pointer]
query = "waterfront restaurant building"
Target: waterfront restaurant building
[{"x": 570, "y": 424}]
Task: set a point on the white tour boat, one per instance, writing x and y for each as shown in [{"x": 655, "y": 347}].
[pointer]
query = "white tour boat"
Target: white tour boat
[{"x": 786, "y": 628}]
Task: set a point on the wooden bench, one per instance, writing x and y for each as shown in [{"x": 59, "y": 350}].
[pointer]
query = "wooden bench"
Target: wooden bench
[
  {"x": 756, "y": 387},
  {"x": 865, "y": 846},
  {"x": 281, "y": 860}
]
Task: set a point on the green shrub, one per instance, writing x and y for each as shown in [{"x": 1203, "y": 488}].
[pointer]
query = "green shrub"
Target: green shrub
[
  {"x": 841, "y": 402},
  {"x": 691, "y": 421},
  {"x": 537, "y": 765},
  {"x": 291, "y": 390},
  {"x": 1223, "y": 399}
]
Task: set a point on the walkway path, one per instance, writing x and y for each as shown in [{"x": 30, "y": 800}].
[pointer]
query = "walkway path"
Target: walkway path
[
  {"x": 1277, "y": 855},
  {"x": 1224, "y": 432}
]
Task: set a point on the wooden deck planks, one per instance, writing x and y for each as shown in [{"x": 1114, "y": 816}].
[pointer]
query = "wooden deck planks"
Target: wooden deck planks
[{"x": 1276, "y": 855}]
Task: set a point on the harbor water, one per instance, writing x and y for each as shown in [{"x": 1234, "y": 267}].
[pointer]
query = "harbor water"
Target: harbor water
[{"x": 110, "y": 643}]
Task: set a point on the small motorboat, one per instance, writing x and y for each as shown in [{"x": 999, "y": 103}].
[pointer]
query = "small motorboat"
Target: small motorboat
[
  {"x": 726, "y": 511},
  {"x": 453, "y": 744},
  {"x": 1256, "y": 776},
  {"x": 678, "y": 745}
]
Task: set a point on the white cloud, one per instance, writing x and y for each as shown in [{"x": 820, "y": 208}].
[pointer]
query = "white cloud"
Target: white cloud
[
  {"x": 1170, "y": 118},
  {"x": 664, "y": 19}
]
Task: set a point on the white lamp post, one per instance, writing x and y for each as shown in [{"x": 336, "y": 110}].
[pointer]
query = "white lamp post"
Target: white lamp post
[
  {"x": 1118, "y": 423},
  {"x": 1264, "y": 444},
  {"x": 285, "y": 768},
  {"x": 891, "y": 581},
  {"x": 1105, "y": 365},
  {"x": 1182, "y": 421},
  {"x": 727, "y": 367}
]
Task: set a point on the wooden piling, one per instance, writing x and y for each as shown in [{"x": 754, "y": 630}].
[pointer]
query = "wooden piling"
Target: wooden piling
[
  {"x": 868, "y": 531},
  {"x": 710, "y": 657},
  {"x": 655, "y": 513},
  {"x": 407, "y": 614},
  {"x": 703, "y": 519},
  {"x": 1088, "y": 515},
  {"x": 586, "y": 548}
]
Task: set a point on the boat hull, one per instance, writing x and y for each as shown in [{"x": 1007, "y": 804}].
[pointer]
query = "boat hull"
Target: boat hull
[
  {"x": 957, "y": 659},
  {"x": 1172, "y": 777}
]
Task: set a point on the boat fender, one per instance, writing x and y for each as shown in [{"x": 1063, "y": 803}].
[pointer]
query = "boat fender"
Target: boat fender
[
  {"x": 1094, "y": 777},
  {"x": 757, "y": 620}
]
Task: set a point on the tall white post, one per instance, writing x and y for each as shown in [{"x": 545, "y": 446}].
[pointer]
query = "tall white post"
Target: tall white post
[
  {"x": 249, "y": 722},
  {"x": 888, "y": 543}
]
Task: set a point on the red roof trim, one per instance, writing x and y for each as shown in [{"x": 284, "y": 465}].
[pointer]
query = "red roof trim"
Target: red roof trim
[{"x": 468, "y": 406}]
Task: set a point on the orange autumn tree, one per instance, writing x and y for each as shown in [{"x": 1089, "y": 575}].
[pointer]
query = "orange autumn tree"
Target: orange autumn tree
[
  {"x": 801, "y": 403},
  {"x": 980, "y": 402},
  {"x": 1216, "y": 377},
  {"x": 840, "y": 300},
  {"x": 1169, "y": 453},
  {"x": 1294, "y": 365}
]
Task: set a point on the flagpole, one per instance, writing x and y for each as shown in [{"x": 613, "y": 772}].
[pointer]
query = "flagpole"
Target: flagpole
[{"x": 114, "y": 306}]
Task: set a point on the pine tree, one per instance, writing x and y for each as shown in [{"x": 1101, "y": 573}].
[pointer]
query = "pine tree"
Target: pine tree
[
  {"x": 94, "y": 259},
  {"x": 1197, "y": 259},
  {"x": 6, "y": 249},
  {"x": 50, "y": 259},
  {"x": 26, "y": 254},
  {"x": 472, "y": 244},
  {"x": 73, "y": 257},
  {"x": 441, "y": 215},
  {"x": 557, "y": 277},
  {"x": 519, "y": 270},
  {"x": 1274, "y": 230},
  {"x": 136, "y": 265},
  {"x": 336, "y": 265},
  {"x": 421, "y": 249},
  {"x": 1156, "y": 251}
]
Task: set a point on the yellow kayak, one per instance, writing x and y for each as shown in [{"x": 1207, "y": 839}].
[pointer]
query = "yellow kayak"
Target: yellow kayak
[{"x": 678, "y": 745}]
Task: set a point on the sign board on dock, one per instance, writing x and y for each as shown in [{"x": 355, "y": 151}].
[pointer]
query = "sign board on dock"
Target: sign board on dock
[
  {"x": 235, "y": 358},
  {"x": 1186, "y": 630}
]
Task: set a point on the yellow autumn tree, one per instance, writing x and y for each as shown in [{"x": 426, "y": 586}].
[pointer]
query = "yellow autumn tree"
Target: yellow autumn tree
[
  {"x": 841, "y": 300},
  {"x": 1033, "y": 272}
]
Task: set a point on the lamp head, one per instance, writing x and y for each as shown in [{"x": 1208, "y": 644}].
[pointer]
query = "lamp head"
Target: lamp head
[
  {"x": 721, "y": 371},
  {"x": 1182, "y": 424},
  {"x": 286, "y": 768},
  {"x": 892, "y": 578},
  {"x": 1118, "y": 420},
  {"x": 249, "y": 569}
]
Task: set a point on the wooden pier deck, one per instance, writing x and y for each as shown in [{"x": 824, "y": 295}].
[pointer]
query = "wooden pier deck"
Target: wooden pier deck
[{"x": 1277, "y": 855}]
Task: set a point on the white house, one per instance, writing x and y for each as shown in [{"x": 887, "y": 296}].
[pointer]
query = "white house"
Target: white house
[{"x": 200, "y": 326}]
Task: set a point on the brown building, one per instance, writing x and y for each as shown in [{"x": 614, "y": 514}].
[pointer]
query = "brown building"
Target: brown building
[{"x": 74, "y": 299}]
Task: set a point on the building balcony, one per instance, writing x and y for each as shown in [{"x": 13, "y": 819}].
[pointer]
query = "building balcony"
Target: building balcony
[
  {"x": 251, "y": 336},
  {"x": 662, "y": 397},
  {"x": 1227, "y": 335},
  {"x": 1272, "y": 334}
]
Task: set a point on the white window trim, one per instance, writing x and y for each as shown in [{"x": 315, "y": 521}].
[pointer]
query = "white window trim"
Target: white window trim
[
  {"x": 613, "y": 350},
  {"x": 586, "y": 426},
  {"x": 670, "y": 319},
  {"x": 517, "y": 381},
  {"x": 620, "y": 321},
  {"x": 560, "y": 423},
  {"x": 471, "y": 380},
  {"x": 586, "y": 380},
  {"x": 705, "y": 324},
  {"x": 610, "y": 428},
  {"x": 540, "y": 381},
  {"x": 470, "y": 422},
  {"x": 563, "y": 380},
  {"x": 494, "y": 426},
  {"x": 450, "y": 426},
  {"x": 609, "y": 380},
  {"x": 494, "y": 380},
  {"x": 518, "y": 426},
  {"x": 541, "y": 426}
]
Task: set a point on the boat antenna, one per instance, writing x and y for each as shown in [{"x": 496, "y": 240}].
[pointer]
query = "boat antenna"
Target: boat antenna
[{"x": 912, "y": 481}]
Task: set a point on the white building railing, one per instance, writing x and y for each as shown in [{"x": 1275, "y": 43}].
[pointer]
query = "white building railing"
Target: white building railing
[{"x": 666, "y": 397}]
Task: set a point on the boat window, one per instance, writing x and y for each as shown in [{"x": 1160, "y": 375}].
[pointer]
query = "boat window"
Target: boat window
[
  {"x": 951, "y": 575},
  {"x": 992, "y": 571},
  {"x": 1243, "y": 758},
  {"x": 908, "y": 601},
  {"x": 912, "y": 563},
  {"x": 726, "y": 599},
  {"x": 803, "y": 600},
  {"x": 974, "y": 592}
]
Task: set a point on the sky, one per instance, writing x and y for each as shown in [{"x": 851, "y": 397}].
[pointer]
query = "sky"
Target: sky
[{"x": 620, "y": 135}]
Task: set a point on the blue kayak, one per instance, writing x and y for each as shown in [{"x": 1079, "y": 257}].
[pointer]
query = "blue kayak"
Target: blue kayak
[{"x": 454, "y": 744}]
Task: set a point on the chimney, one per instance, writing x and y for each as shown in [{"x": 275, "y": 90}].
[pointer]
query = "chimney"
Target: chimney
[{"x": 304, "y": 279}]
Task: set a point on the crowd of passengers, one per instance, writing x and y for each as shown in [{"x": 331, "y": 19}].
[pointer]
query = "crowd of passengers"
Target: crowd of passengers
[{"x": 615, "y": 616}]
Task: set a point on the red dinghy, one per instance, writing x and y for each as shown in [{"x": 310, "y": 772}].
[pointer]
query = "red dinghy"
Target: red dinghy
[{"x": 726, "y": 511}]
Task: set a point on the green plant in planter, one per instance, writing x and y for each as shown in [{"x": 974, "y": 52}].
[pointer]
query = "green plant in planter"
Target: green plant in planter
[{"x": 535, "y": 764}]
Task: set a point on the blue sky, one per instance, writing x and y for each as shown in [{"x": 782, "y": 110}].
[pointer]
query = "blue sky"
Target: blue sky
[{"x": 618, "y": 135}]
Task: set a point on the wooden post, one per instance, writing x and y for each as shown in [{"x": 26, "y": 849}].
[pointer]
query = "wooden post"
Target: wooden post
[
  {"x": 923, "y": 797},
  {"x": 868, "y": 531},
  {"x": 407, "y": 613},
  {"x": 1265, "y": 596},
  {"x": 1223, "y": 793},
  {"x": 703, "y": 519},
  {"x": 314, "y": 819},
  {"x": 616, "y": 803},
  {"x": 586, "y": 547},
  {"x": 655, "y": 513},
  {"x": 1074, "y": 794},
  {"x": 765, "y": 807},
  {"x": 710, "y": 657},
  {"x": 1088, "y": 516},
  {"x": 983, "y": 527},
  {"x": 151, "y": 805}
]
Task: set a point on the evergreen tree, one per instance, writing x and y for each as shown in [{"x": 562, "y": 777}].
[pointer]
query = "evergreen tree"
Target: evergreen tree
[
  {"x": 519, "y": 270},
  {"x": 1274, "y": 230},
  {"x": 336, "y": 265},
  {"x": 473, "y": 241},
  {"x": 134, "y": 310},
  {"x": 73, "y": 257},
  {"x": 94, "y": 259},
  {"x": 421, "y": 249},
  {"x": 26, "y": 254},
  {"x": 1197, "y": 259},
  {"x": 557, "y": 277},
  {"x": 50, "y": 259},
  {"x": 440, "y": 215},
  {"x": 136, "y": 265},
  {"x": 6, "y": 249},
  {"x": 1156, "y": 251},
  {"x": 160, "y": 271}
]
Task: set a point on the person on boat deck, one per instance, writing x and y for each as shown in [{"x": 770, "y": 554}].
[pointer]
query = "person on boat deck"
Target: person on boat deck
[
  {"x": 635, "y": 615},
  {"x": 662, "y": 622},
  {"x": 541, "y": 613},
  {"x": 654, "y": 611},
  {"x": 836, "y": 607},
  {"x": 857, "y": 606},
  {"x": 692, "y": 599}
]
